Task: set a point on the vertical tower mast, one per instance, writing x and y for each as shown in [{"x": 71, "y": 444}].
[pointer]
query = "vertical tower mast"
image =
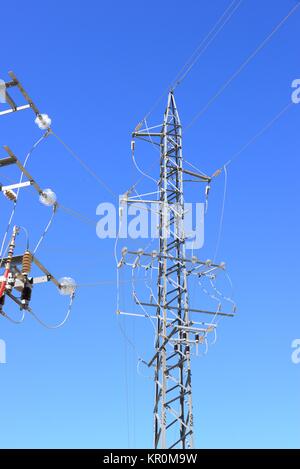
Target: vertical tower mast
[{"x": 173, "y": 394}]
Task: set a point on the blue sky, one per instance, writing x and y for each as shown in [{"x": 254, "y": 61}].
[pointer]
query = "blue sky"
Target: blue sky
[{"x": 96, "y": 68}]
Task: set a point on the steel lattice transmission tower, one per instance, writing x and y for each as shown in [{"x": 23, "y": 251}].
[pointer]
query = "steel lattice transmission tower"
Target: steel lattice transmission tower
[
  {"x": 173, "y": 369},
  {"x": 177, "y": 333}
]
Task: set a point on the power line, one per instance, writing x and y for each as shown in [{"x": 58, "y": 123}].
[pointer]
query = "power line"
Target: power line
[
  {"x": 233, "y": 158},
  {"x": 28, "y": 156},
  {"x": 60, "y": 324},
  {"x": 45, "y": 230},
  {"x": 201, "y": 48},
  {"x": 260, "y": 133},
  {"x": 78, "y": 215},
  {"x": 222, "y": 215},
  {"x": 194, "y": 57},
  {"x": 241, "y": 67},
  {"x": 84, "y": 165}
]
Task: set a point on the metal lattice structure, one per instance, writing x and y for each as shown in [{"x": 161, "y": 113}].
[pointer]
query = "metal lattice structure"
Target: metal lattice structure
[
  {"x": 177, "y": 332},
  {"x": 173, "y": 368}
]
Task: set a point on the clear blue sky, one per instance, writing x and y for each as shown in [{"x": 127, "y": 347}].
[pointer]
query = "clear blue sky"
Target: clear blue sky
[{"x": 96, "y": 67}]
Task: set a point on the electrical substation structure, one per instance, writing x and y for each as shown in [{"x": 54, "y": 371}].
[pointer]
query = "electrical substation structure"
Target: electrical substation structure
[{"x": 17, "y": 281}]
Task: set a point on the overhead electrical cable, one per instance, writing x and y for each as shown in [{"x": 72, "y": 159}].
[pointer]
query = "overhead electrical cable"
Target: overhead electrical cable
[
  {"x": 84, "y": 165},
  {"x": 78, "y": 215},
  {"x": 261, "y": 132},
  {"x": 220, "y": 229},
  {"x": 56, "y": 326},
  {"x": 14, "y": 321},
  {"x": 195, "y": 56},
  {"x": 45, "y": 230},
  {"x": 33, "y": 148},
  {"x": 201, "y": 48},
  {"x": 242, "y": 66}
]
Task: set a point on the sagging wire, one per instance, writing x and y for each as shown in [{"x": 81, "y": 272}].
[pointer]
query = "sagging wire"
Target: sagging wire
[
  {"x": 221, "y": 222},
  {"x": 14, "y": 321},
  {"x": 221, "y": 295},
  {"x": 54, "y": 208},
  {"x": 144, "y": 174},
  {"x": 33, "y": 148},
  {"x": 217, "y": 319},
  {"x": 147, "y": 269},
  {"x": 229, "y": 299},
  {"x": 135, "y": 297},
  {"x": 142, "y": 177},
  {"x": 217, "y": 300},
  {"x": 26, "y": 236},
  {"x": 152, "y": 296},
  {"x": 56, "y": 326},
  {"x": 134, "y": 160},
  {"x": 121, "y": 328}
]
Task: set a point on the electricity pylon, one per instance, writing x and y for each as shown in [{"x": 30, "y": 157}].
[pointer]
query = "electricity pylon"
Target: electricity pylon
[
  {"x": 177, "y": 333},
  {"x": 177, "y": 361}
]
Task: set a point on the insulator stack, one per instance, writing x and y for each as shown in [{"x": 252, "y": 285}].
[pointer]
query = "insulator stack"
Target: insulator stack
[
  {"x": 26, "y": 263},
  {"x": 10, "y": 195}
]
